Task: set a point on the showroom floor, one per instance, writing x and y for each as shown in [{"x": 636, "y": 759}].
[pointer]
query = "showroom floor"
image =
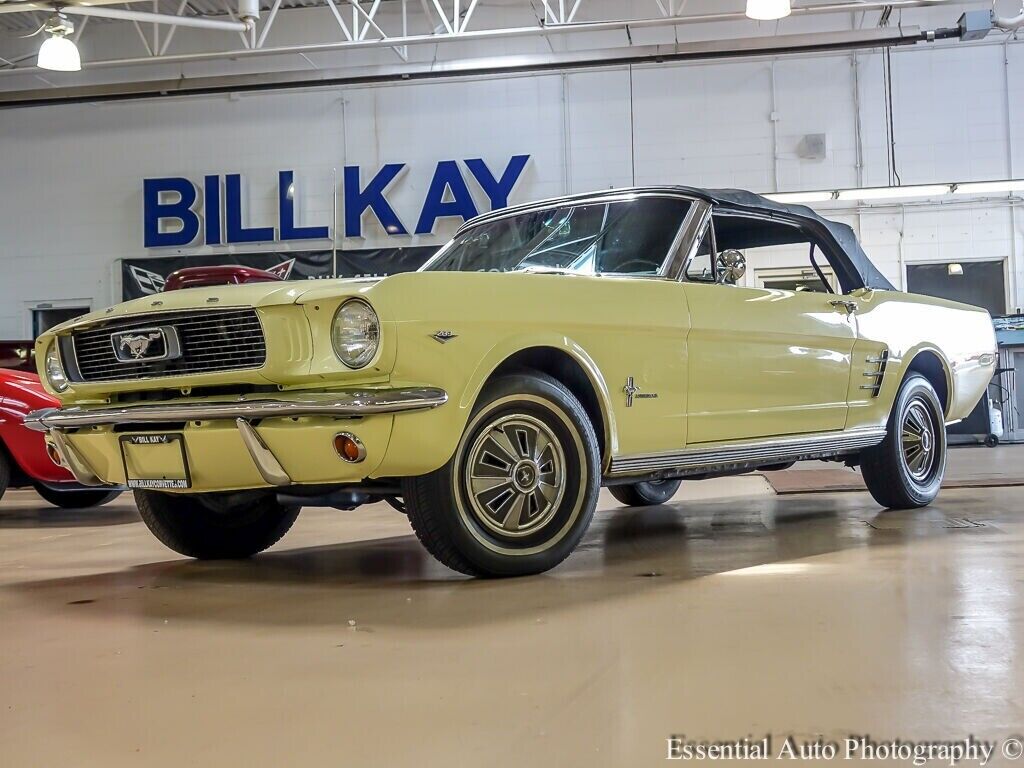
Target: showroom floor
[{"x": 731, "y": 612}]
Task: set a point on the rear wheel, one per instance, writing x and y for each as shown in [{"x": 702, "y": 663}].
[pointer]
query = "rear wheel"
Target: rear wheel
[
  {"x": 75, "y": 499},
  {"x": 519, "y": 493},
  {"x": 215, "y": 526},
  {"x": 905, "y": 470},
  {"x": 645, "y": 494}
]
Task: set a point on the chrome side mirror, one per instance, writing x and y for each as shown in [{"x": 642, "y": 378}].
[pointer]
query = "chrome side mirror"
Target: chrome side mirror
[{"x": 732, "y": 265}]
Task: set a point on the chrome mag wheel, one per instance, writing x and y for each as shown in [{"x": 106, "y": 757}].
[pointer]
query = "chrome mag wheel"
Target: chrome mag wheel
[
  {"x": 515, "y": 474},
  {"x": 919, "y": 441},
  {"x": 521, "y": 487}
]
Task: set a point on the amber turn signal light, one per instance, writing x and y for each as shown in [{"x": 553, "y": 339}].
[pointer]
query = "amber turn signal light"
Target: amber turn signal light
[{"x": 349, "y": 447}]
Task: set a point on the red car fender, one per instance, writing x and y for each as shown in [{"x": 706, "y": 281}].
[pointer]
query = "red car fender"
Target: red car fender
[{"x": 21, "y": 392}]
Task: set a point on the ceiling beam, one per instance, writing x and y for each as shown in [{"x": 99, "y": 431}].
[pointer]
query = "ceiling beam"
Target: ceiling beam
[
  {"x": 352, "y": 43},
  {"x": 491, "y": 66}
]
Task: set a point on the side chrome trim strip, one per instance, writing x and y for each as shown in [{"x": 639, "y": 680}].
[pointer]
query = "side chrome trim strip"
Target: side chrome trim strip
[
  {"x": 763, "y": 451},
  {"x": 344, "y": 403}
]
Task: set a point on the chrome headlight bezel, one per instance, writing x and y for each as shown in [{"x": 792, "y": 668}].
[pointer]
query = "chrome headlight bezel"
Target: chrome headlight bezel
[
  {"x": 350, "y": 330},
  {"x": 53, "y": 367}
]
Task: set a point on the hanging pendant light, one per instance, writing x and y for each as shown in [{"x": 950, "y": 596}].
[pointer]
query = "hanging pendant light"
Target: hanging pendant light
[
  {"x": 768, "y": 10},
  {"x": 58, "y": 51}
]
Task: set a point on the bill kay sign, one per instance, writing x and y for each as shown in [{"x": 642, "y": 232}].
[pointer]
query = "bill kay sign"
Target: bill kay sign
[{"x": 174, "y": 214}]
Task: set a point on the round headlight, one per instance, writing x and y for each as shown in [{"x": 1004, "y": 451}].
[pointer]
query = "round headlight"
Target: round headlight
[
  {"x": 54, "y": 370},
  {"x": 355, "y": 333}
]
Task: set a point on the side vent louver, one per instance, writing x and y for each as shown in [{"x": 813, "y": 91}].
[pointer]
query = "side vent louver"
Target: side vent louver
[{"x": 876, "y": 372}]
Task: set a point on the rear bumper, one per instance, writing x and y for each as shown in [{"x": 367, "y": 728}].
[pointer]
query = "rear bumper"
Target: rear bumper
[{"x": 239, "y": 444}]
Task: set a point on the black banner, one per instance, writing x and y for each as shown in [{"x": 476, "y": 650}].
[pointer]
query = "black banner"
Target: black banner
[{"x": 144, "y": 277}]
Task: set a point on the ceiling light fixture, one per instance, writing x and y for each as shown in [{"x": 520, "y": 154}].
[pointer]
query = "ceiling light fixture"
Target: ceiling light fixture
[
  {"x": 894, "y": 193},
  {"x": 58, "y": 52},
  {"x": 803, "y": 197},
  {"x": 908, "y": 192},
  {"x": 768, "y": 10},
  {"x": 989, "y": 187}
]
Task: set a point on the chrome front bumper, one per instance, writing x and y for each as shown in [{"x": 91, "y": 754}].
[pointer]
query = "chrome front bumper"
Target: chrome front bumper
[
  {"x": 55, "y": 421},
  {"x": 350, "y": 403}
]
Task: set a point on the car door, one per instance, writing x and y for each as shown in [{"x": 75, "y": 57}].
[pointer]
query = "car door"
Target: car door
[{"x": 762, "y": 362}]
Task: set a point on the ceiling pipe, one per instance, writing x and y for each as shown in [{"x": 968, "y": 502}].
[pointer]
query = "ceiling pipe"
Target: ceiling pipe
[
  {"x": 123, "y": 14},
  {"x": 476, "y": 35}
]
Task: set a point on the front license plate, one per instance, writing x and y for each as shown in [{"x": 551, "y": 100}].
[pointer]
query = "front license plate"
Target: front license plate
[{"x": 155, "y": 461}]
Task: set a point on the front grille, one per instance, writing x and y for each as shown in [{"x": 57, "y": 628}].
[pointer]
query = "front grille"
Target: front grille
[{"x": 210, "y": 340}]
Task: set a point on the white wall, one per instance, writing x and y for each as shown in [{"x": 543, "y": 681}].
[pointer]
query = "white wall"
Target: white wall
[{"x": 71, "y": 176}]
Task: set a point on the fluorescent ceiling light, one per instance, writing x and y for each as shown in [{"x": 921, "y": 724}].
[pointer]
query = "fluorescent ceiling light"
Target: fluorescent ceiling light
[
  {"x": 768, "y": 10},
  {"x": 803, "y": 197},
  {"x": 893, "y": 193},
  {"x": 989, "y": 187},
  {"x": 1008, "y": 186}
]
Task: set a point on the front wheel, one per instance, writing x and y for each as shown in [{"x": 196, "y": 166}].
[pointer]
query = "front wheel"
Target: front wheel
[
  {"x": 905, "y": 470},
  {"x": 648, "y": 494},
  {"x": 215, "y": 526},
  {"x": 521, "y": 489},
  {"x": 76, "y": 499}
]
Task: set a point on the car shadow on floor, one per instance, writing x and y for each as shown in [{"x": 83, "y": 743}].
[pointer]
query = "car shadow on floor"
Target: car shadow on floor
[
  {"x": 394, "y": 582},
  {"x": 35, "y": 513}
]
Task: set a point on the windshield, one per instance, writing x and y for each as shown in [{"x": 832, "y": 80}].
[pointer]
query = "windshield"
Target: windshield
[{"x": 627, "y": 237}]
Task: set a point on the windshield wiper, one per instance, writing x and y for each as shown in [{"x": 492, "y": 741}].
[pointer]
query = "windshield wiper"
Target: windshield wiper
[{"x": 538, "y": 270}]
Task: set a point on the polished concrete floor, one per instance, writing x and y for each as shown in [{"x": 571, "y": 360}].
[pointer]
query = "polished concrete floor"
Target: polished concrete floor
[{"x": 730, "y": 612}]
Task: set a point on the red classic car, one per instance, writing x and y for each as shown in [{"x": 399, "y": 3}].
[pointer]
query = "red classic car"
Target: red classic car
[
  {"x": 18, "y": 355},
  {"x": 24, "y": 459}
]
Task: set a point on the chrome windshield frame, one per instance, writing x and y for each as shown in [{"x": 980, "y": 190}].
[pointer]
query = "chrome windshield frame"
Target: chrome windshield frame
[{"x": 699, "y": 208}]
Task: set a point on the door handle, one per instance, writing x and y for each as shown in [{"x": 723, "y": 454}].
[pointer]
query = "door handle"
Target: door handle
[{"x": 849, "y": 306}]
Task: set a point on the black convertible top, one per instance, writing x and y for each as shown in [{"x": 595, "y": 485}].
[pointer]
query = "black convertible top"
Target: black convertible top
[
  {"x": 852, "y": 266},
  {"x": 841, "y": 234}
]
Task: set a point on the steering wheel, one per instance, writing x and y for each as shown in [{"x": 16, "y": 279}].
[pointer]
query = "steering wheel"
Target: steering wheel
[
  {"x": 645, "y": 266},
  {"x": 558, "y": 255}
]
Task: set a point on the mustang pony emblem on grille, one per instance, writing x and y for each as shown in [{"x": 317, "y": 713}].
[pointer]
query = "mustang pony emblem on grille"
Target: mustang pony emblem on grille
[
  {"x": 139, "y": 345},
  {"x": 148, "y": 344}
]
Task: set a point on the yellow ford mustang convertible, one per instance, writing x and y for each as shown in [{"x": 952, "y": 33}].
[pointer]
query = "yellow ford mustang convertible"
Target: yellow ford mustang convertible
[{"x": 628, "y": 338}]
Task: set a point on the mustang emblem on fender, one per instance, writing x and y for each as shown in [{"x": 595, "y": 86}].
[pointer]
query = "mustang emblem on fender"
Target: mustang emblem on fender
[
  {"x": 633, "y": 391},
  {"x": 138, "y": 346}
]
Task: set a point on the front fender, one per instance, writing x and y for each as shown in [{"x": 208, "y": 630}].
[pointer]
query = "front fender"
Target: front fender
[
  {"x": 424, "y": 441},
  {"x": 508, "y": 347}
]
